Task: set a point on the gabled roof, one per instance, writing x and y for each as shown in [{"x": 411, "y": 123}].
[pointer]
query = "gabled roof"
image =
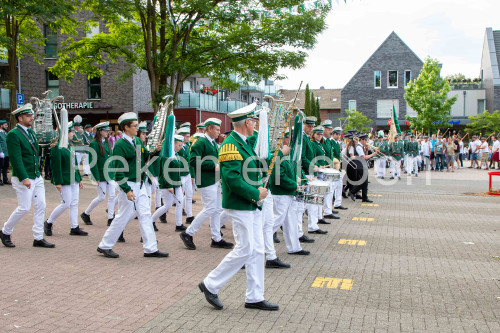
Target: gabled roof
[{"x": 392, "y": 36}]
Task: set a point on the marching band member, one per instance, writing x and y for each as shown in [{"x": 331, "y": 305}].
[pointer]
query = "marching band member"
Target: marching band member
[
  {"x": 306, "y": 158},
  {"x": 133, "y": 199},
  {"x": 239, "y": 201},
  {"x": 284, "y": 188},
  {"x": 68, "y": 181},
  {"x": 187, "y": 182},
  {"x": 396, "y": 149},
  {"x": 328, "y": 152},
  {"x": 412, "y": 156},
  {"x": 204, "y": 168},
  {"x": 336, "y": 149},
  {"x": 105, "y": 186},
  {"x": 171, "y": 185},
  {"x": 26, "y": 180}
]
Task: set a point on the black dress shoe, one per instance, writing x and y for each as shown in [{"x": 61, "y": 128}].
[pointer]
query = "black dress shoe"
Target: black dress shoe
[
  {"x": 367, "y": 200},
  {"x": 47, "y": 228},
  {"x": 305, "y": 239},
  {"x": 319, "y": 232},
  {"x": 86, "y": 218},
  {"x": 163, "y": 218},
  {"x": 121, "y": 239},
  {"x": 301, "y": 253},
  {"x": 222, "y": 244},
  {"x": 6, "y": 240},
  {"x": 264, "y": 305},
  {"x": 108, "y": 253},
  {"x": 109, "y": 222},
  {"x": 154, "y": 227},
  {"x": 276, "y": 263},
  {"x": 180, "y": 227},
  {"x": 341, "y": 207},
  {"x": 322, "y": 221},
  {"x": 78, "y": 232},
  {"x": 43, "y": 243},
  {"x": 275, "y": 238},
  {"x": 156, "y": 254},
  {"x": 189, "y": 219},
  {"x": 213, "y": 299},
  {"x": 188, "y": 240}
]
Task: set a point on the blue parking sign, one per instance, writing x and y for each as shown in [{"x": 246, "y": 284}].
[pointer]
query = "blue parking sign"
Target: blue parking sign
[{"x": 20, "y": 99}]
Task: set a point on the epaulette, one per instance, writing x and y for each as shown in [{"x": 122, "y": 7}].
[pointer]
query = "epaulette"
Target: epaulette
[{"x": 229, "y": 152}]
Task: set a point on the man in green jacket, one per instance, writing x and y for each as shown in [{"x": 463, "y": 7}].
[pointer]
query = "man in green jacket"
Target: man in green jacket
[
  {"x": 204, "y": 168},
  {"x": 241, "y": 192},
  {"x": 4, "y": 153},
  {"x": 22, "y": 146},
  {"x": 133, "y": 200}
]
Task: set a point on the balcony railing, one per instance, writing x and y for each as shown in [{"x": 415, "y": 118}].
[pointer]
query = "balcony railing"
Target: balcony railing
[{"x": 4, "y": 98}]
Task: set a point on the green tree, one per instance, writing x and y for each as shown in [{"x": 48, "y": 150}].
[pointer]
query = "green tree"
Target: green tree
[
  {"x": 485, "y": 123},
  {"x": 229, "y": 41},
  {"x": 21, "y": 35},
  {"x": 355, "y": 120},
  {"x": 428, "y": 96},
  {"x": 307, "y": 101}
]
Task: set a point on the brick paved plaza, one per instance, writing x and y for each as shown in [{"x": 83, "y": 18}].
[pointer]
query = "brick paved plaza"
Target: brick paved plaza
[{"x": 419, "y": 260}]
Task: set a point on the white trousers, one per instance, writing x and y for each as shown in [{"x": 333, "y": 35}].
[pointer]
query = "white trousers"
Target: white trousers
[
  {"x": 69, "y": 200},
  {"x": 395, "y": 168},
  {"x": 168, "y": 201},
  {"x": 35, "y": 194},
  {"x": 381, "y": 163},
  {"x": 313, "y": 213},
  {"x": 154, "y": 188},
  {"x": 328, "y": 200},
  {"x": 104, "y": 188},
  {"x": 268, "y": 226},
  {"x": 285, "y": 213},
  {"x": 212, "y": 209},
  {"x": 248, "y": 251},
  {"x": 128, "y": 210},
  {"x": 187, "y": 187},
  {"x": 337, "y": 187}
]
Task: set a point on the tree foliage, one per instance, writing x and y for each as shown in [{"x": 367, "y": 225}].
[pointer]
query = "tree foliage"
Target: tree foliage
[
  {"x": 485, "y": 123},
  {"x": 172, "y": 40},
  {"x": 355, "y": 120},
  {"x": 428, "y": 96}
]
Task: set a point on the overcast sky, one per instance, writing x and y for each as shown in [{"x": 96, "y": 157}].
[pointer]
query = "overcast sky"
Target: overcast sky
[{"x": 451, "y": 31}]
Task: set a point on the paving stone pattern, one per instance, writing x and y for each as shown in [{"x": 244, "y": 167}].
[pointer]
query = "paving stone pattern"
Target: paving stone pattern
[{"x": 427, "y": 266}]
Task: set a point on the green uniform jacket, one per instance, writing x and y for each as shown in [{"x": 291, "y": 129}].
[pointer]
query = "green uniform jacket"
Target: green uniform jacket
[
  {"x": 286, "y": 178},
  {"x": 318, "y": 150},
  {"x": 23, "y": 158},
  {"x": 236, "y": 192},
  {"x": 174, "y": 167},
  {"x": 335, "y": 149},
  {"x": 199, "y": 150},
  {"x": 412, "y": 148},
  {"x": 307, "y": 153},
  {"x": 184, "y": 153},
  {"x": 98, "y": 169},
  {"x": 60, "y": 165},
  {"x": 397, "y": 150},
  {"x": 125, "y": 149},
  {"x": 3, "y": 143}
]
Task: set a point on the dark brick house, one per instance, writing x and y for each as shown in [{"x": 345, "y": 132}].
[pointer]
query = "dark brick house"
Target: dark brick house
[{"x": 380, "y": 83}]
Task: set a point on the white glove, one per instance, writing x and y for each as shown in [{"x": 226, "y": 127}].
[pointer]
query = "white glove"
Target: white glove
[{"x": 2, "y": 155}]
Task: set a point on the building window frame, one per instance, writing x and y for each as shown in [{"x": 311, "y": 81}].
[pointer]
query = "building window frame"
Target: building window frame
[
  {"x": 389, "y": 78},
  {"x": 379, "y": 80},
  {"x": 352, "y": 102},
  {"x": 50, "y": 84},
  {"x": 406, "y": 79},
  {"x": 94, "y": 87},
  {"x": 50, "y": 43}
]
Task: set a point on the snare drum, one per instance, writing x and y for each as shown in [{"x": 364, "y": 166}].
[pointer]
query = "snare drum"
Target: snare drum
[{"x": 328, "y": 174}]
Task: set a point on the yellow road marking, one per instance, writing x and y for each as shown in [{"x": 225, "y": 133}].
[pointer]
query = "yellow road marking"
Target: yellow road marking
[
  {"x": 369, "y": 219},
  {"x": 369, "y": 205},
  {"x": 352, "y": 242},
  {"x": 332, "y": 283}
]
